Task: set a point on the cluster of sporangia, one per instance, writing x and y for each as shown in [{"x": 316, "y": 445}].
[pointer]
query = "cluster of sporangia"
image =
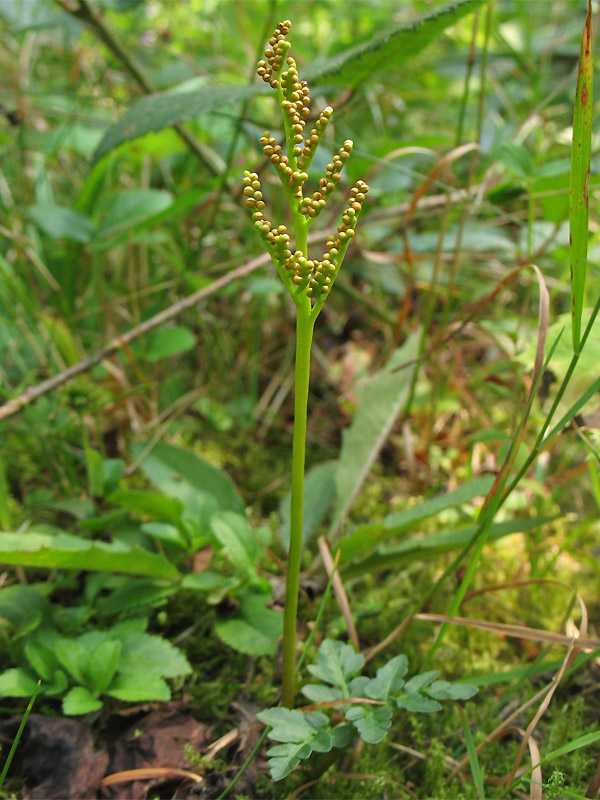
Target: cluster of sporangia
[{"x": 314, "y": 277}]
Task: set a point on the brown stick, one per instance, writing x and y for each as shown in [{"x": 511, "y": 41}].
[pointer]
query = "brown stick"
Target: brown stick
[
  {"x": 86, "y": 14},
  {"x": 33, "y": 392}
]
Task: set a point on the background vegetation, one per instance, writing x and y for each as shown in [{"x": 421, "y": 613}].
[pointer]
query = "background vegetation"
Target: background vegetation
[{"x": 143, "y": 491}]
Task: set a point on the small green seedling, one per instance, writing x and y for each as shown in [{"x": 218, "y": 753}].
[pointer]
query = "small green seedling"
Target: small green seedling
[{"x": 308, "y": 281}]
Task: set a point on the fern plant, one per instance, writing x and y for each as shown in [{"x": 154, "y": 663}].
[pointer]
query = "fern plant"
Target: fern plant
[
  {"x": 367, "y": 705},
  {"x": 307, "y": 280}
]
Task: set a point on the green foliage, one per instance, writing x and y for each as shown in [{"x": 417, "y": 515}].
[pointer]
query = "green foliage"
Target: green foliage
[
  {"x": 338, "y": 665},
  {"x": 123, "y": 662},
  {"x": 392, "y": 47}
]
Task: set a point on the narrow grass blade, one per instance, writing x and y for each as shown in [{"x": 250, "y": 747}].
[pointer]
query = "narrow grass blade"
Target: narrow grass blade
[
  {"x": 19, "y": 734},
  {"x": 473, "y": 760},
  {"x": 580, "y": 173}
]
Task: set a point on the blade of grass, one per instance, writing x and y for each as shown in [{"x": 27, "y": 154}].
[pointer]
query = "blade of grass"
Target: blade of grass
[
  {"x": 472, "y": 752},
  {"x": 19, "y": 734},
  {"x": 580, "y": 173}
]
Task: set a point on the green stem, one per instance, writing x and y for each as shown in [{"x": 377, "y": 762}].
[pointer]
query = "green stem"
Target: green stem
[{"x": 304, "y": 333}]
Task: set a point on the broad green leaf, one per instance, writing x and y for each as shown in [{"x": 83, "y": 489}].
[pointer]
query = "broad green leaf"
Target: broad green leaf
[
  {"x": 516, "y": 158},
  {"x": 239, "y": 541},
  {"x": 95, "y": 472},
  {"x": 389, "y": 679},
  {"x": 372, "y": 722},
  {"x": 136, "y": 687},
  {"x": 74, "y": 657},
  {"x": 58, "y": 684},
  {"x": 135, "y": 593},
  {"x": 59, "y": 222},
  {"x": 444, "y": 690},
  {"x": 208, "y": 581},
  {"x": 319, "y": 494},
  {"x": 150, "y": 655},
  {"x": 42, "y": 659},
  {"x": 336, "y": 663},
  {"x": 395, "y": 45},
  {"x": 151, "y": 504},
  {"x": 16, "y": 683},
  {"x": 580, "y": 173},
  {"x": 366, "y": 537},
  {"x": 170, "y": 342},
  {"x": 165, "y": 533},
  {"x": 380, "y": 402},
  {"x": 113, "y": 469},
  {"x": 254, "y": 630},
  {"x": 80, "y": 701},
  {"x": 169, "y": 108},
  {"x": 178, "y": 473},
  {"x": 23, "y": 607},
  {"x": 64, "y": 551},
  {"x": 103, "y": 664},
  {"x": 131, "y": 208}
]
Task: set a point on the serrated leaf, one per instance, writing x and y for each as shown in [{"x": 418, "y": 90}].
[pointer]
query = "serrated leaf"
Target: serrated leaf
[
  {"x": 336, "y": 663},
  {"x": 418, "y": 682},
  {"x": 287, "y": 725},
  {"x": 318, "y": 693},
  {"x": 414, "y": 701},
  {"x": 147, "y": 654},
  {"x": 316, "y": 718},
  {"x": 395, "y": 45},
  {"x": 341, "y": 735},
  {"x": 103, "y": 664},
  {"x": 137, "y": 687},
  {"x": 389, "y": 679},
  {"x": 65, "y": 551},
  {"x": 284, "y": 757},
  {"x": 443, "y": 690},
  {"x": 372, "y": 722},
  {"x": 80, "y": 701},
  {"x": 169, "y": 108},
  {"x": 17, "y": 682},
  {"x": 357, "y": 686}
]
